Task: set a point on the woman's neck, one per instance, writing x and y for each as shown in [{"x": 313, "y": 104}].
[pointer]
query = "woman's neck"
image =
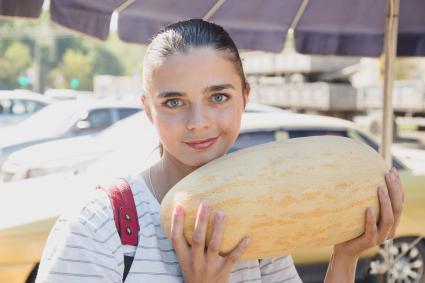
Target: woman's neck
[
  {"x": 174, "y": 169},
  {"x": 166, "y": 173}
]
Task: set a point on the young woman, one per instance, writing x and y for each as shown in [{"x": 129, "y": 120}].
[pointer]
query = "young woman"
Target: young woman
[{"x": 195, "y": 94}]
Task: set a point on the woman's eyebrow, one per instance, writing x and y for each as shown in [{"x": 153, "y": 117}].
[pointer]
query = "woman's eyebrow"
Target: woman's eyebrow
[
  {"x": 170, "y": 94},
  {"x": 213, "y": 88},
  {"x": 218, "y": 88}
]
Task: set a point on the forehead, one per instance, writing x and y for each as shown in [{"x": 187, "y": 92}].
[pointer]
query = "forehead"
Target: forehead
[{"x": 196, "y": 69}]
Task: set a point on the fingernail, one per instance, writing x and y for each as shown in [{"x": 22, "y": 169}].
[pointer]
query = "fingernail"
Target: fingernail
[
  {"x": 219, "y": 215},
  {"x": 205, "y": 204},
  {"x": 395, "y": 171},
  {"x": 383, "y": 191},
  {"x": 246, "y": 241},
  {"x": 177, "y": 210}
]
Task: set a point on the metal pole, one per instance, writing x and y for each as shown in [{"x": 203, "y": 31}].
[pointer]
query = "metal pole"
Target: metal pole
[
  {"x": 390, "y": 41},
  {"x": 36, "y": 84},
  {"x": 213, "y": 9},
  {"x": 298, "y": 15}
]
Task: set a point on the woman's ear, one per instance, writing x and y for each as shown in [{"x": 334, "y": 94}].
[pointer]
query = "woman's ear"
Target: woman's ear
[
  {"x": 246, "y": 93},
  {"x": 146, "y": 107}
]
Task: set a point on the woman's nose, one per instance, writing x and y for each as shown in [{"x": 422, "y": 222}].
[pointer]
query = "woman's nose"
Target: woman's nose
[{"x": 198, "y": 118}]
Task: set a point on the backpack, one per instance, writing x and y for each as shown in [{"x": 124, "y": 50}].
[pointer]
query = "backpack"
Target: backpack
[{"x": 125, "y": 216}]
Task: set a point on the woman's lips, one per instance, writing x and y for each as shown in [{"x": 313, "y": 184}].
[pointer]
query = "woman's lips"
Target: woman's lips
[{"x": 201, "y": 144}]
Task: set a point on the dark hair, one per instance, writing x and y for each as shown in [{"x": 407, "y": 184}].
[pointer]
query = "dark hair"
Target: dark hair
[{"x": 181, "y": 36}]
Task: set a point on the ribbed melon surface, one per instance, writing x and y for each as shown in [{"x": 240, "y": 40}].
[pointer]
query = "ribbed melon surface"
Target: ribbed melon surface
[{"x": 296, "y": 194}]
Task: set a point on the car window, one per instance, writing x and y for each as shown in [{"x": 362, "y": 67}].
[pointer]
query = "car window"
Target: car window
[
  {"x": 33, "y": 106},
  {"x": 100, "y": 119},
  {"x": 251, "y": 139},
  {"x": 299, "y": 133},
  {"x": 18, "y": 107},
  {"x": 396, "y": 163},
  {"x": 125, "y": 112},
  {"x": 5, "y": 106}
]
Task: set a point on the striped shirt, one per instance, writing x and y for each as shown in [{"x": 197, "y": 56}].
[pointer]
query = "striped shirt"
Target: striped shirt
[{"x": 86, "y": 247}]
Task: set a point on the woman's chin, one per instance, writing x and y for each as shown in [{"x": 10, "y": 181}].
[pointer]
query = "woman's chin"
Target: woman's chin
[{"x": 202, "y": 159}]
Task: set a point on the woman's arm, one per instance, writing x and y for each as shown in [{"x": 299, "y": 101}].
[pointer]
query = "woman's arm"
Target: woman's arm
[{"x": 342, "y": 265}]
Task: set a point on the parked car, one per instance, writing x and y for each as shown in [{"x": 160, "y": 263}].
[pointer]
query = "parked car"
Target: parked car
[
  {"x": 17, "y": 105},
  {"x": 67, "y": 94},
  {"x": 61, "y": 120},
  {"x": 70, "y": 154},
  {"x": 252, "y": 107},
  {"x": 74, "y": 154},
  {"x": 35, "y": 204}
]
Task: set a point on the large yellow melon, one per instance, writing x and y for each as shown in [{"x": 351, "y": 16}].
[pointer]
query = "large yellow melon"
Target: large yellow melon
[{"x": 296, "y": 194}]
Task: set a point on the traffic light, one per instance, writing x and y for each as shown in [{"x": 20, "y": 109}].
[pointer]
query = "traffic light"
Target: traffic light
[
  {"x": 24, "y": 80},
  {"x": 75, "y": 83}
]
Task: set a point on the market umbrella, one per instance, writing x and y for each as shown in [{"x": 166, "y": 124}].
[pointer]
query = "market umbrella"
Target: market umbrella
[{"x": 339, "y": 27}]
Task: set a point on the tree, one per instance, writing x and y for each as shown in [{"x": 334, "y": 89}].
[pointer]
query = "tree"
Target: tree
[
  {"x": 17, "y": 58},
  {"x": 106, "y": 63},
  {"x": 75, "y": 65}
]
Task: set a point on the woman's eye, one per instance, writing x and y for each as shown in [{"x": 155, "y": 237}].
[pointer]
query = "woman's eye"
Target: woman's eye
[
  {"x": 173, "y": 103},
  {"x": 217, "y": 98}
]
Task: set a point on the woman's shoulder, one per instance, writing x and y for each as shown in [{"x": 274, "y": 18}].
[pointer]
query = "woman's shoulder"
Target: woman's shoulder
[{"x": 94, "y": 209}]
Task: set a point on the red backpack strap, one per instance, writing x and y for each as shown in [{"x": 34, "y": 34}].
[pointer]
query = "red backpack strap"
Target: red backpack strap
[{"x": 125, "y": 213}]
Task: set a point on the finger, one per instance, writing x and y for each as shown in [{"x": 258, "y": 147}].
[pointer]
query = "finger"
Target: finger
[
  {"x": 386, "y": 218},
  {"x": 200, "y": 231},
  {"x": 368, "y": 239},
  {"x": 370, "y": 236},
  {"x": 396, "y": 193},
  {"x": 236, "y": 253},
  {"x": 177, "y": 233},
  {"x": 216, "y": 237}
]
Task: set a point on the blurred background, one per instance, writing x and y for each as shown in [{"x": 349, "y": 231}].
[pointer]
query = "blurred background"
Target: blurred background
[{"x": 70, "y": 116}]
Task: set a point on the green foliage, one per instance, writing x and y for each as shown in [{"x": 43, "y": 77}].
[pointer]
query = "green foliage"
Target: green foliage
[
  {"x": 63, "y": 56},
  {"x": 16, "y": 59},
  {"x": 106, "y": 63},
  {"x": 75, "y": 65}
]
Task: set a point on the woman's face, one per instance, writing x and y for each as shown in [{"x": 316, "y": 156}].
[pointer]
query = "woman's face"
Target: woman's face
[{"x": 196, "y": 102}]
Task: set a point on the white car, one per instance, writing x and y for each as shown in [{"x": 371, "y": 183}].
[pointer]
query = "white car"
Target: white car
[
  {"x": 18, "y": 105},
  {"x": 67, "y": 94},
  {"x": 61, "y": 120},
  {"x": 252, "y": 107},
  {"x": 75, "y": 154}
]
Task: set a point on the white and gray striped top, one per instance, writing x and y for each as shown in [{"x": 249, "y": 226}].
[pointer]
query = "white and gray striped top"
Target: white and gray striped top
[{"x": 87, "y": 248}]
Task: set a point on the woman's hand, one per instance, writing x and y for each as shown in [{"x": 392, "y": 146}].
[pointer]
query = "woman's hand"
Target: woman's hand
[
  {"x": 202, "y": 263},
  {"x": 345, "y": 255},
  {"x": 391, "y": 199}
]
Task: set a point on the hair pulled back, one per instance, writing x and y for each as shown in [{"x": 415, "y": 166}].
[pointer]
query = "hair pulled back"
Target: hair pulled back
[{"x": 180, "y": 37}]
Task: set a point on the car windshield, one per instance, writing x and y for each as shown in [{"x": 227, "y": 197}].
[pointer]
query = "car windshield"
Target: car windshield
[
  {"x": 373, "y": 144},
  {"x": 51, "y": 118},
  {"x": 137, "y": 124}
]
